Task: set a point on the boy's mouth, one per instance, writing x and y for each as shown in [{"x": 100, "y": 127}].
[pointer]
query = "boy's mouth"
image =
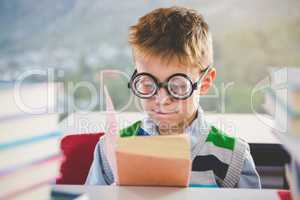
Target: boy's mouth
[{"x": 164, "y": 112}]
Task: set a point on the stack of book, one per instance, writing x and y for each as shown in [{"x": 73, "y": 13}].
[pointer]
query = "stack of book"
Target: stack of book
[
  {"x": 29, "y": 145},
  {"x": 283, "y": 102}
]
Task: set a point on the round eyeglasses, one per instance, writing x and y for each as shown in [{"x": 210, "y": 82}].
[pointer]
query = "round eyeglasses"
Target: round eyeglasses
[{"x": 179, "y": 85}]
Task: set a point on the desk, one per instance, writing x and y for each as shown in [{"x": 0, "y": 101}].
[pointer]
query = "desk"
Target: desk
[{"x": 166, "y": 193}]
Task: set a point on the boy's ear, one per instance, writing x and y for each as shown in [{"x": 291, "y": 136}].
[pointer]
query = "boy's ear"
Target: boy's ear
[{"x": 208, "y": 81}]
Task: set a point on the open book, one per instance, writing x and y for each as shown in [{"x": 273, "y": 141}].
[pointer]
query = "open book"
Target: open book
[{"x": 146, "y": 160}]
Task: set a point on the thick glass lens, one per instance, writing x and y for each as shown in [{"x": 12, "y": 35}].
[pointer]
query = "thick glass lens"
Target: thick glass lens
[
  {"x": 180, "y": 87},
  {"x": 144, "y": 86}
]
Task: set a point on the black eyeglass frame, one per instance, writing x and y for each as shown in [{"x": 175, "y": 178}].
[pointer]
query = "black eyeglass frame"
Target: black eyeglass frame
[{"x": 165, "y": 83}]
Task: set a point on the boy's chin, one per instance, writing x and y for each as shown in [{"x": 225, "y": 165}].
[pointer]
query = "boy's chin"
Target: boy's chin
[
  {"x": 170, "y": 128},
  {"x": 165, "y": 123}
]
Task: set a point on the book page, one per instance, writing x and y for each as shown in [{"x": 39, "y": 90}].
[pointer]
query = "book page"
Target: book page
[{"x": 111, "y": 134}]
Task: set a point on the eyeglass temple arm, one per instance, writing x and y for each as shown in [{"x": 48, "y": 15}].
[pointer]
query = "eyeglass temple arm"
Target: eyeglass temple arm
[
  {"x": 205, "y": 71},
  {"x": 129, "y": 83}
]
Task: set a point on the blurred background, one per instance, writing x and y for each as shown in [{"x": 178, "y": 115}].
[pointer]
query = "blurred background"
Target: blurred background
[
  {"x": 84, "y": 37},
  {"x": 79, "y": 45}
]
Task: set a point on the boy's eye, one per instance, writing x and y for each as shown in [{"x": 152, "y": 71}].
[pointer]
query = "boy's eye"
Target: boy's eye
[
  {"x": 178, "y": 88},
  {"x": 179, "y": 85},
  {"x": 145, "y": 85}
]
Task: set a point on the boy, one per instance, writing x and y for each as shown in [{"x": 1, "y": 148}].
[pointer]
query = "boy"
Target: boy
[{"x": 172, "y": 49}]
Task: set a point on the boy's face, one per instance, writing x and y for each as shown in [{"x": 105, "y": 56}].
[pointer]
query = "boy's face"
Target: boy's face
[{"x": 171, "y": 115}]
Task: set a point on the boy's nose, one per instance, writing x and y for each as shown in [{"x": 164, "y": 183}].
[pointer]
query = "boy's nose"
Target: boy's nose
[{"x": 162, "y": 97}]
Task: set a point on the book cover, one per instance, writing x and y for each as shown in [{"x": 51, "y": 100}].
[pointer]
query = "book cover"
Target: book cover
[{"x": 153, "y": 160}]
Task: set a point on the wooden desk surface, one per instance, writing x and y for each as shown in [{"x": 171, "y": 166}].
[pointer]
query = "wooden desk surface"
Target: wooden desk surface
[{"x": 166, "y": 193}]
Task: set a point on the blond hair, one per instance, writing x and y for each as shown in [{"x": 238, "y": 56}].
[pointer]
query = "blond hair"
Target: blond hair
[{"x": 174, "y": 32}]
